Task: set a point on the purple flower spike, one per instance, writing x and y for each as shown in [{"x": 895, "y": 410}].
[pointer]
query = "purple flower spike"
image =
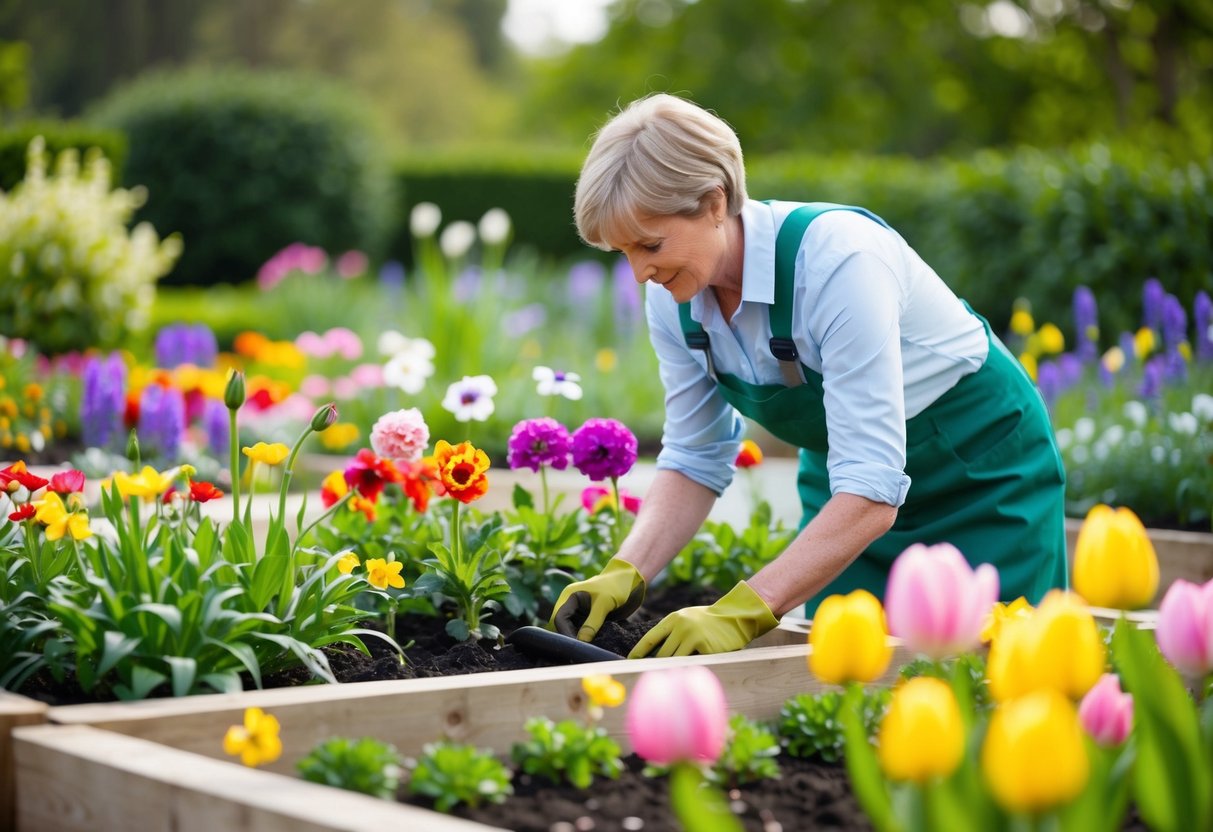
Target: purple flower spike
[
  {"x": 604, "y": 449},
  {"x": 1151, "y": 303},
  {"x": 585, "y": 281},
  {"x": 1174, "y": 322},
  {"x": 1069, "y": 366},
  {"x": 536, "y": 443},
  {"x": 1086, "y": 324},
  {"x": 215, "y": 418},
  {"x": 162, "y": 419},
  {"x": 102, "y": 399},
  {"x": 1203, "y": 312},
  {"x": 1152, "y": 377},
  {"x": 1048, "y": 379}
]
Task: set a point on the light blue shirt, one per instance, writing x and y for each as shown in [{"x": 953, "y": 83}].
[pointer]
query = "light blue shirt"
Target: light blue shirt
[{"x": 886, "y": 334}]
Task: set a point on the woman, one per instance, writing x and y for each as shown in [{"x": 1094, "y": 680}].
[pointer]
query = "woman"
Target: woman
[{"x": 822, "y": 325}]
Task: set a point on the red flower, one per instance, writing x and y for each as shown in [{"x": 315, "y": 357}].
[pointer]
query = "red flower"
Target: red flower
[
  {"x": 749, "y": 455},
  {"x": 17, "y": 475},
  {"x": 368, "y": 474},
  {"x": 463, "y": 470},
  {"x": 67, "y": 482},
  {"x": 167, "y": 499},
  {"x": 364, "y": 505},
  {"x": 23, "y": 512},
  {"x": 201, "y": 492},
  {"x": 422, "y": 481}
]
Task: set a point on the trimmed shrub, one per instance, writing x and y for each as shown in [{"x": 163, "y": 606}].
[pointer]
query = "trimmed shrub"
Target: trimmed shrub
[
  {"x": 243, "y": 163},
  {"x": 57, "y": 136}
]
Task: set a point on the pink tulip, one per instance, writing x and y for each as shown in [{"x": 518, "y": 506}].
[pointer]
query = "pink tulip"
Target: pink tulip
[
  {"x": 678, "y": 714},
  {"x": 1106, "y": 712},
  {"x": 935, "y": 602},
  {"x": 1185, "y": 627},
  {"x": 67, "y": 482}
]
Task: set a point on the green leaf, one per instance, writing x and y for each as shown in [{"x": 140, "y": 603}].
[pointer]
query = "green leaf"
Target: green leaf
[
  {"x": 522, "y": 498},
  {"x": 699, "y": 806},
  {"x": 184, "y": 670},
  {"x": 268, "y": 575},
  {"x": 864, "y": 770},
  {"x": 143, "y": 681},
  {"x": 457, "y": 629},
  {"x": 167, "y": 613},
  {"x": 243, "y": 653},
  {"x": 117, "y": 647}
]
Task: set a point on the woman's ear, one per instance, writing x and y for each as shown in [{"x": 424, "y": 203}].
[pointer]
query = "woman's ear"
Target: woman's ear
[{"x": 716, "y": 204}]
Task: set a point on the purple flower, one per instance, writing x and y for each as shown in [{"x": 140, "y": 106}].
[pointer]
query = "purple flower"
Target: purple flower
[
  {"x": 1203, "y": 312},
  {"x": 1069, "y": 366},
  {"x": 103, "y": 399},
  {"x": 1152, "y": 295},
  {"x": 628, "y": 311},
  {"x": 162, "y": 419},
  {"x": 603, "y": 449},
  {"x": 521, "y": 321},
  {"x": 215, "y": 420},
  {"x": 1048, "y": 379},
  {"x": 391, "y": 275},
  {"x": 585, "y": 279},
  {"x": 535, "y": 443},
  {"x": 1174, "y": 322},
  {"x": 179, "y": 344},
  {"x": 1174, "y": 367},
  {"x": 1086, "y": 324},
  {"x": 1152, "y": 376}
]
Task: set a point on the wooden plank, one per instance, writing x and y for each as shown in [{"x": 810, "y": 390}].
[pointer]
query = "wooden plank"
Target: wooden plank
[
  {"x": 15, "y": 711},
  {"x": 80, "y": 779}
]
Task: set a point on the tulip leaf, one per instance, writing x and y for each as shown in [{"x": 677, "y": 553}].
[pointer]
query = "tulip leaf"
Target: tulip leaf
[
  {"x": 1102, "y": 805},
  {"x": 184, "y": 670},
  {"x": 522, "y": 497},
  {"x": 117, "y": 648},
  {"x": 699, "y": 806},
  {"x": 864, "y": 771}
]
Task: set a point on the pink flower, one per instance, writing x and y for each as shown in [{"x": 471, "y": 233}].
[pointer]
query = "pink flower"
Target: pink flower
[
  {"x": 311, "y": 344},
  {"x": 1185, "y": 627},
  {"x": 678, "y": 714},
  {"x": 1106, "y": 712},
  {"x": 594, "y": 498},
  {"x": 936, "y": 602},
  {"x": 400, "y": 435},
  {"x": 67, "y": 482},
  {"x": 344, "y": 342},
  {"x": 367, "y": 375},
  {"x": 351, "y": 264},
  {"x": 314, "y": 386},
  {"x": 345, "y": 388}
]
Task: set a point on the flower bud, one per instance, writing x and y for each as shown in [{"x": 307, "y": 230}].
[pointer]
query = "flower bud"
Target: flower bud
[
  {"x": 678, "y": 714},
  {"x": 921, "y": 735},
  {"x": 849, "y": 639},
  {"x": 1114, "y": 561},
  {"x": 233, "y": 394},
  {"x": 132, "y": 447},
  {"x": 1106, "y": 712},
  {"x": 1034, "y": 756},
  {"x": 1057, "y": 646},
  {"x": 323, "y": 418},
  {"x": 936, "y": 602},
  {"x": 1185, "y": 627}
]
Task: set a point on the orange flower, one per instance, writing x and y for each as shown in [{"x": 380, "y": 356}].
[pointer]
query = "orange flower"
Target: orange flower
[
  {"x": 421, "y": 481},
  {"x": 462, "y": 468},
  {"x": 749, "y": 455},
  {"x": 333, "y": 488}
]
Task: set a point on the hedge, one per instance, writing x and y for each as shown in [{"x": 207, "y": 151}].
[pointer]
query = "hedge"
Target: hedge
[{"x": 59, "y": 136}]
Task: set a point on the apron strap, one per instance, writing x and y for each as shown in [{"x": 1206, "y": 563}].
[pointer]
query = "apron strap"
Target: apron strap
[{"x": 695, "y": 336}]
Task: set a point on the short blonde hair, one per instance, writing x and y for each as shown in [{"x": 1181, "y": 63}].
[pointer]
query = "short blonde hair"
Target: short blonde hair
[{"x": 660, "y": 156}]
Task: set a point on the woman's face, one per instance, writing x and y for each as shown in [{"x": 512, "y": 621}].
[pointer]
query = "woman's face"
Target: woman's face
[{"x": 683, "y": 254}]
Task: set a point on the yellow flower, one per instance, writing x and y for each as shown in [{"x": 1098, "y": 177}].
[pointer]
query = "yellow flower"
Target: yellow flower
[
  {"x": 1057, "y": 646},
  {"x": 1021, "y": 322},
  {"x": 849, "y": 639},
  {"x": 1185, "y": 351},
  {"x": 921, "y": 734},
  {"x": 348, "y": 563},
  {"x": 148, "y": 483},
  {"x": 268, "y": 454},
  {"x": 1029, "y": 363},
  {"x": 1051, "y": 339},
  {"x": 382, "y": 574},
  {"x": 58, "y": 520},
  {"x": 339, "y": 436},
  {"x": 1034, "y": 756},
  {"x": 603, "y": 690},
  {"x": 605, "y": 360},
  {"x": 1000, "y": 613},
  {"x": 1114, "y": 561},
  {"x": 256, "y": 741},
  {"x": 1143, "y": 342},
  {"x": 1113, "y": 360}
]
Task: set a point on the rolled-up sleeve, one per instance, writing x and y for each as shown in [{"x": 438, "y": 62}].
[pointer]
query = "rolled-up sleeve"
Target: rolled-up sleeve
[
  {"x": 855, "y": 316},
  {"x": 702, "y": 431}
]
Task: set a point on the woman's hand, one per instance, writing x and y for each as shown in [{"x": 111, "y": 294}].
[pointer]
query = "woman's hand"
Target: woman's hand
[
  {"x": 614, "y": 593},
  {"x": 729, "y": 624}
]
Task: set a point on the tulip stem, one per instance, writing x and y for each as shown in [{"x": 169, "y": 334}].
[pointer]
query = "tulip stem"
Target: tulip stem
[{"x": 234, "y": 445}]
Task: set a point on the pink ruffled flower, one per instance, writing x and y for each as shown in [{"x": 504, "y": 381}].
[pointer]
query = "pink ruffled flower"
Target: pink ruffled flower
[
  {"x": 678, "y": 714},
  {"x": 1185, "y": 627},
  {"x": 936, "y": 602},
  {"x": 401, "y": 435},
  {"x": 1106, "y": 712},
  {"x": 594, "y": 498}
]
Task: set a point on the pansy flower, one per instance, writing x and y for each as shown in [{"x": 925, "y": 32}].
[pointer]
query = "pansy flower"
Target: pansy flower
[
  {"x": 471, "y": 398},
  {"x": 551, "y": 382},
  {"x": 369, "y": 473},
  {"x": 463, "y": 470},
  {"x": 52, "y": 513}
]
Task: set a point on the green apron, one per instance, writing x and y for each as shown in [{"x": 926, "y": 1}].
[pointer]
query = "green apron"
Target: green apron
[{"x": 985, "y": 472}]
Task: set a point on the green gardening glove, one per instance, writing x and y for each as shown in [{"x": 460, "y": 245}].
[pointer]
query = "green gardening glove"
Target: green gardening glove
[
  {"x": 614, "y": 593},
  {"x": 730, "y": 624}
]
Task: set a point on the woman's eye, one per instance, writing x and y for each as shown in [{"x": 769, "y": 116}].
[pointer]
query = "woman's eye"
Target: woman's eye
[{"x": 652, "y": 248}]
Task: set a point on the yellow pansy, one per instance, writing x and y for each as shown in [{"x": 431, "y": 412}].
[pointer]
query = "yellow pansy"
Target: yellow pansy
[
  {"x": 1115, "y": 564},
  {"x": 603, "y": 690},
  {"x": 1051, "y": 339},
  {"x": 257, "y": 741},
  {"x": 348, "y": 564},
  {"x": 381, "y": 574},
  {"x": 849, "y": 639},
  {"x": 148, "y": 483},
  {"x": 52, "y": 513},
  {"x": 1057, "y": 646},
  {"x": 267, "y": 454},
  {"x": 921, "y": 735},
  {"x": 1034, "y": 756}
]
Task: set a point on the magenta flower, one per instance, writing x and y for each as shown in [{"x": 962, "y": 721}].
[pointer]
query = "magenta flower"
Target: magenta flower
[
  {"x": 539, "y": 443},
  {"x": 936, "y": 602},
  {"x": 67, "y": 482},
  {"x": 604, "y": 449},
  {"x": 1106, "y": 712},
  {"x": 401, "y": 435},
  {"x": 1185, "y": 627},
  {"x": 679, "y": 714},
  {"x": 594, "y": 498}
]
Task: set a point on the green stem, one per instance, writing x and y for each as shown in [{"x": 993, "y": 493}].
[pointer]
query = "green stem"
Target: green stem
[
  {"x": 287, "y": 472},
  {"x": 547, "y": 510},
  {"x": 615, "y": 532},
  {"x": 345, "y": 498},
  {"x": 234, "y": 447}
]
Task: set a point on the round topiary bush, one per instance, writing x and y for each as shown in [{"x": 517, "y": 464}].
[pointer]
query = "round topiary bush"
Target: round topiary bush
[{"x": 244, "y": 163}]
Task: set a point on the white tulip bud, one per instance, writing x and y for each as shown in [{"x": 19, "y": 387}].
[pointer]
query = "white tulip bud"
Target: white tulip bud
[
  {"x": 457, "y": 238},
  {"x": 495, "y": 226},
  {"x": 425, "y": 219}
]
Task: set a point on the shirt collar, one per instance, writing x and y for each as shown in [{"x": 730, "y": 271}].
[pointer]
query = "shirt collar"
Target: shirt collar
[{"x": 758, "y": 268}]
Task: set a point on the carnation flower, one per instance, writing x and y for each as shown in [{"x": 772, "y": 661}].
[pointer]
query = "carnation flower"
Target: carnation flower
[
  {"x": 536, "y": 443},
  {"x": 471, "y": 398},
  {"x": 604, "y": 449},
  {"x": 400, "y": 435},
  {"x": 554, "y": 383}
]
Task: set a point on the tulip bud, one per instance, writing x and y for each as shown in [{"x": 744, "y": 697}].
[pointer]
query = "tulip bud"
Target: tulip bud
[
  {"x": 132, "y": 447},
  {"x": 921, "y": 735},
  {"x": 1185, "y": 627},
  {"x": 1114, "y": 561},
  {"x": 1106, "y": 712},
  {"x": 323, "y": 418},
  {"x": 678, "y": 714},
  {"x": 233, "y": 394},
  {"x": 936, "y": 602},
  {"x": 849, "y": 639},
  {"x": 1034, "y": 756}
]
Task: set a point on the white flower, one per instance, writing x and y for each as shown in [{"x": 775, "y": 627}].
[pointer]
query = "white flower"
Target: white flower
[
  {"x": 494, "y": 226},
  {"x": 1113, "y": 435},
  {"x": 1184, "y": 423},
  {"x": 1202, "y": 407},
  {"x": 425, "y": 219},
  {"x": 553, "y": 383},
  {"x": 391, "y": 342},
  {"x": 1136, "y": 413},
  {"x": 1158, "y": 453},
  {"x": 409, "y": 368},
  {"x": 1065, "y": 438},
  {"x": 471, "y": 398},
  {"x": 1080, "y": 454},
  {"x": 456, "y": 239},
  {"x": 1084, "y": 429}
]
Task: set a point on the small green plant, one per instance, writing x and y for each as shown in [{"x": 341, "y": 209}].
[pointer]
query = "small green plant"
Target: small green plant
[
  {"x": 366, "y": 765},
  {"x": 470, "y": 574},
  {"x": 452, "y": 773},
  {"x": 970, "y": 664},
  {"x": 567, "y": 751},
  {"x": 810, "y": 725},
  {"x": 719, "y": 556},
  {"x": 749, "y": 754}
]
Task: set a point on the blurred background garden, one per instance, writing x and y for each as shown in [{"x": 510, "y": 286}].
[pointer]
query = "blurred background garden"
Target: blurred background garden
[{"x": 369, "y": 202}]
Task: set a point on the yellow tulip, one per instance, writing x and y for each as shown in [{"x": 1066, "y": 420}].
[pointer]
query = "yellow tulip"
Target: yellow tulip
[
  {"x": 849, "y": 639},
  {"x": 267, "y": 454},
  {"x": 1051, "y": 339},
  {"x": 921, "y": 735},
  {"x": 148, "y": 483},
  {"x": 1000, "y": 613},
  {"x": 1034, "y": 756},
  {"x": 1114, "y": 561},
  {"x": 256, "y": 741},
  {"x": 1058, "y": 646},
  {"x": 1021, "y": 322}
]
